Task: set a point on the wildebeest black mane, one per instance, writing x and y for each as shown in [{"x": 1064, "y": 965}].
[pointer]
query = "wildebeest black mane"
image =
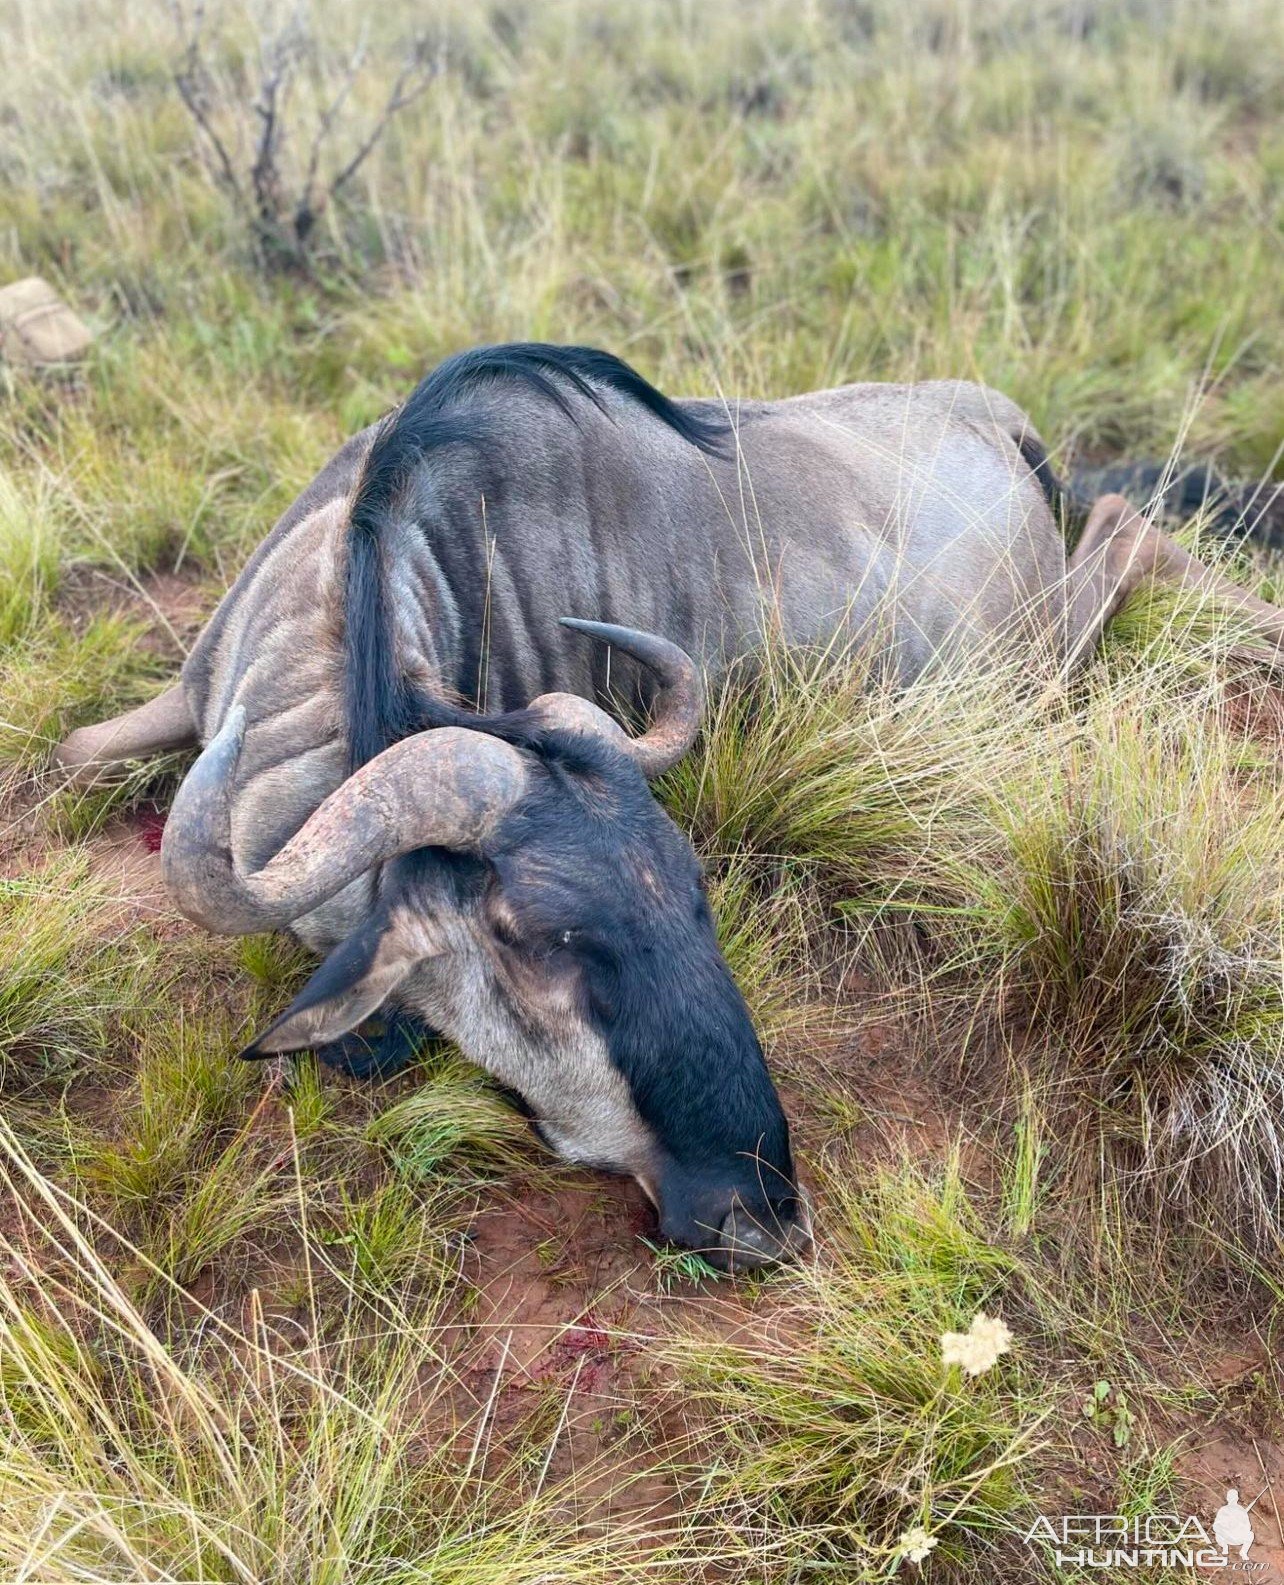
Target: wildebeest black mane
[
  {"x": 384, "y": 706},
  {"x": 1035, "y": 456}
]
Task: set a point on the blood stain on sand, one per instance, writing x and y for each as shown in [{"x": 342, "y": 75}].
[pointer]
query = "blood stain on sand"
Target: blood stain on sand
[
  {"x": 149, "y": 822},
  {"x": 568, "y": 1316}
]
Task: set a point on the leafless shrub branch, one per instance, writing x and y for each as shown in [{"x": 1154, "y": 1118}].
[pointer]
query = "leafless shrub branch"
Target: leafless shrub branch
[{"x": 283, "y": 210}]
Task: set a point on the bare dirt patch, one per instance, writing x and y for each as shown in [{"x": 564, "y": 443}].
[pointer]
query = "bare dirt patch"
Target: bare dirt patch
[
  {"x": 175, "y": 606},
  {"x": 1230, "y": 1458}
]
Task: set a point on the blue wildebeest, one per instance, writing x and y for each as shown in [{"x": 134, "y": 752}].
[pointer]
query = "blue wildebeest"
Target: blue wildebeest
[{"x": 408, "y": 763}]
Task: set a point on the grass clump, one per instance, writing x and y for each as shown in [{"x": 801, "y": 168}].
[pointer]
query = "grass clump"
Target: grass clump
[
  {"x": 859, "y": 783},
  {"x": 454, "y": 1117},
  {"x": 842, "y": 1431},
  {"x": 187, "y": 1096},
  {"x": 189, "y": 1166},
  {"x": 390, "y": 1239},
  {"x": 241, "y": 1190},
  {"x": 770, "y": 931},
  {"x": 70, "y": 971},
  {"x": 1136, "y": 925}
]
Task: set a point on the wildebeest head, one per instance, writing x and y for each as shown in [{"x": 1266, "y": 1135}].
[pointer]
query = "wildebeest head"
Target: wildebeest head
[{"x": 538, "y": 906}]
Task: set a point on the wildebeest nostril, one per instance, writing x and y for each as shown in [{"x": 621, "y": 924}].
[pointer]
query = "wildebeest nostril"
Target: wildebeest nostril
[{"x": 746, "y": 1243}]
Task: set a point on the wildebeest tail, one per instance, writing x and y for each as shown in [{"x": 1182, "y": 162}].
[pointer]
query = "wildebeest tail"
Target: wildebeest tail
[
  {"x": 384, "y": 706},
  {"x": 1241, "y": 511},
  {"x": 1252, "y": 513}
]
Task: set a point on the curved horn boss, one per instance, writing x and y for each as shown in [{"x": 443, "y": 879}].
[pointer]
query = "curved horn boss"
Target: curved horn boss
[
  {"x": 448, "y": 787},
  {"x": 445, "y": 788},
  {"x": 676, "y": 713}
]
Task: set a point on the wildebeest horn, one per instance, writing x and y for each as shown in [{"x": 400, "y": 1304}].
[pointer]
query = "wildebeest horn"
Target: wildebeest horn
[
  {"x": 444, "y": 788},
  {"x": 679, "y": 704}
]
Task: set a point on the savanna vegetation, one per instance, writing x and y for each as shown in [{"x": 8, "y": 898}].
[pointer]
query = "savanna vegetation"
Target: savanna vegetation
[{"x": 1017, "y": 946}]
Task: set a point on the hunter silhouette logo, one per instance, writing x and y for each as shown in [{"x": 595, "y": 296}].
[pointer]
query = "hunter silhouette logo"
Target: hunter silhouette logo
[
  {"x": 1165, "y": 1540},
  {"x": 1232, "y": 1528}
]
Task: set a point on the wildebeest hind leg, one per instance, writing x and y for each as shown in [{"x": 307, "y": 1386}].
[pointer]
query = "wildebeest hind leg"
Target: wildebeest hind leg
[
  {"x": 1118, "y": 551},
  {"x": 378, "y": 1048}
]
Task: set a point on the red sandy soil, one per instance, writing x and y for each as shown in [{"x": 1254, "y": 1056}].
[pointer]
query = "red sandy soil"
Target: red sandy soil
[{"x": 1254, "y": 1466}]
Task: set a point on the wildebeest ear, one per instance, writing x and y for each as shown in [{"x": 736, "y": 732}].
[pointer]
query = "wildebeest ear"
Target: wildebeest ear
[{"x": 358, "y": 976}]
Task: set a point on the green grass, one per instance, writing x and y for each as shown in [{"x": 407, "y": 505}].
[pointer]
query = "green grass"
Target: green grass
[
  {"x": 185, "y": 1096},
  {"x": 332, "y": 1334},
  {"x": 70, "y": 971},
  {"x": 454, "y": 1116},
  {"x": 842, "y": 1429},
  {"x": 29, "y": 560}
]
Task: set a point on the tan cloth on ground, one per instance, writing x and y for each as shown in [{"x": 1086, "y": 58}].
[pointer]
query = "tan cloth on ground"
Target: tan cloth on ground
[{"x": 37, "y": 327}]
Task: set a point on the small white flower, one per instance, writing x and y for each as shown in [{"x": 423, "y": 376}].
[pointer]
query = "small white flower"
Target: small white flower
[
  {"x": 977, "y": 1349},
  {"x": 915, "y": 1543}
]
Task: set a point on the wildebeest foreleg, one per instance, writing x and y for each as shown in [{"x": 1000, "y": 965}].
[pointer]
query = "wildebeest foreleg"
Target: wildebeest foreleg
[
  {"x": 161, "y": 724},
  {"x": 1118, "y": 551}
]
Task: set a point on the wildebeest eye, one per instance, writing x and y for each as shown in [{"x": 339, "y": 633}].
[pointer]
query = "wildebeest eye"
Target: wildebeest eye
[{"x": 568, "y": 938}]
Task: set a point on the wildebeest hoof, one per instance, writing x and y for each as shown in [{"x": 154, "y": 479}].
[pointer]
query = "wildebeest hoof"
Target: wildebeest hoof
[{"x": 378, "y": 1048}]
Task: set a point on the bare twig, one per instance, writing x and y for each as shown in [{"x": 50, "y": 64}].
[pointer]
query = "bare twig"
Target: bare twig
[
  {"x": 397, "y": 100},
  {"x": 283, "y": 223},
  {"x": 331, "y": 113},
  {"x": 280, "y": 59},
  {"x": 412, "y": 82},
  {"x": 264, "y": 177},
  {"x": 192, "y": 81}
]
